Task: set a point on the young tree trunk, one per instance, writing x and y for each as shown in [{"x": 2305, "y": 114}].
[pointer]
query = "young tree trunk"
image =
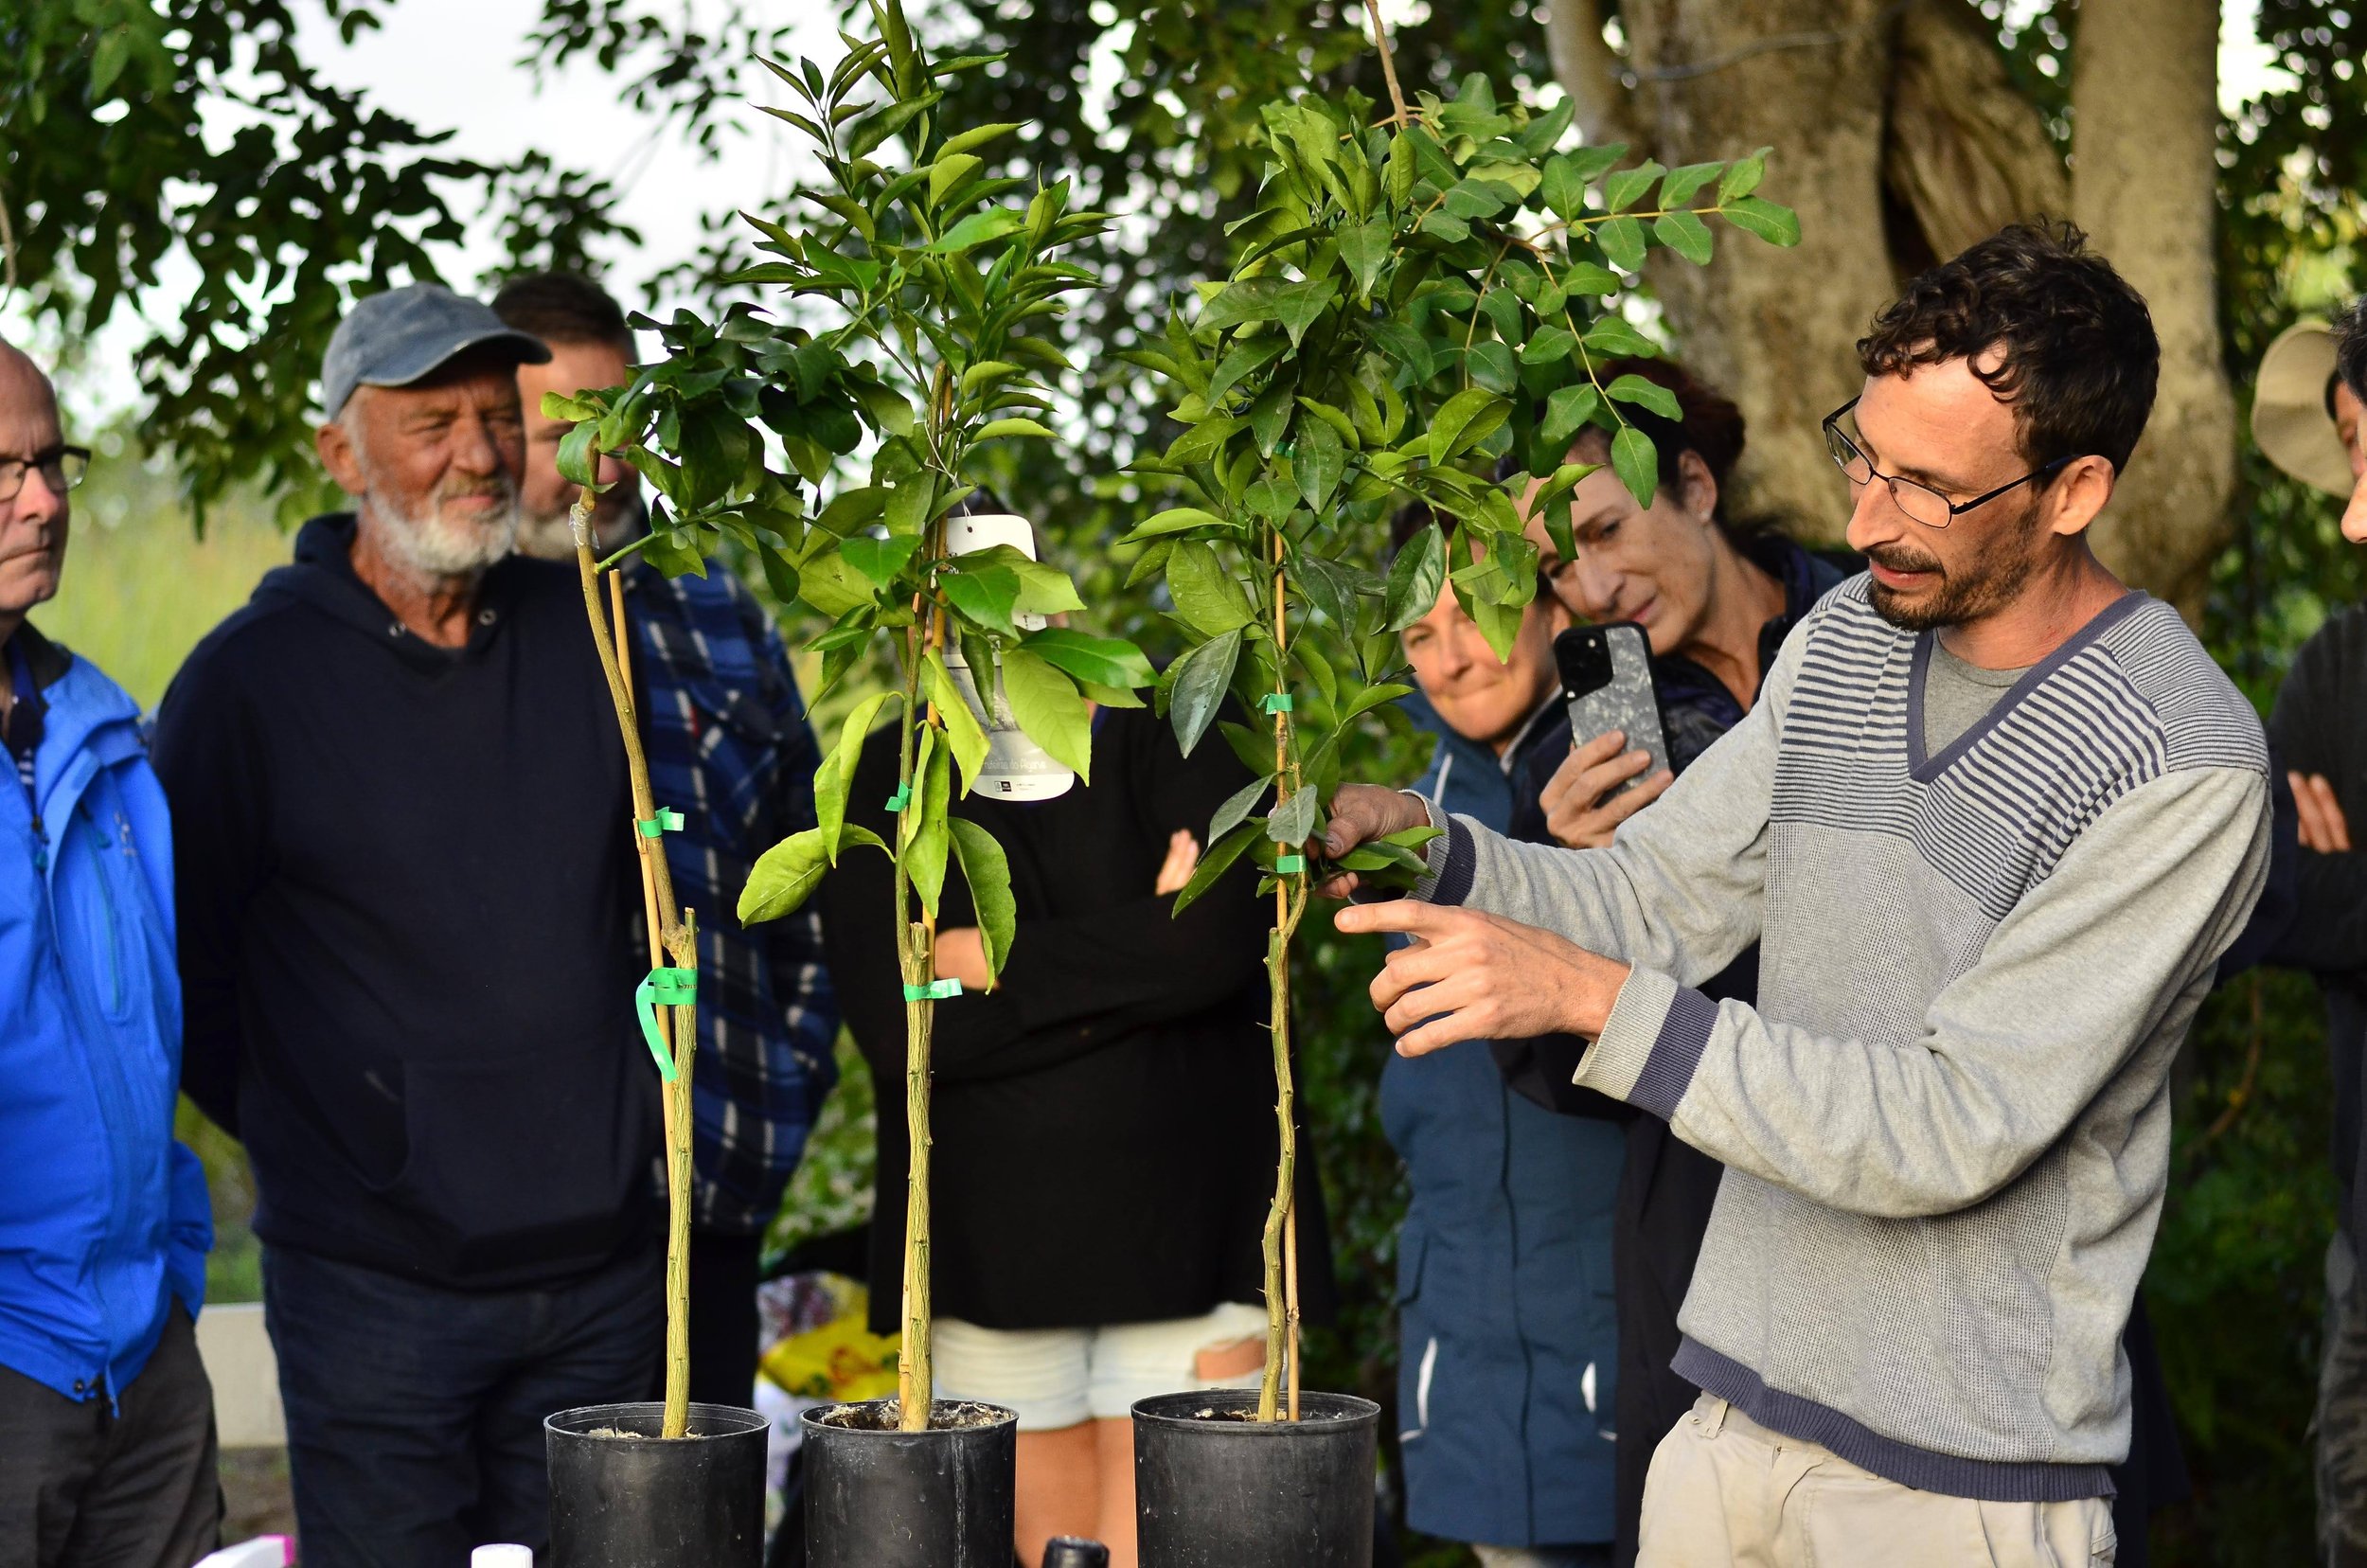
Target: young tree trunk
[
  {"x": 1899, "y": 139},
  {"x": 2144, "y": 154}
]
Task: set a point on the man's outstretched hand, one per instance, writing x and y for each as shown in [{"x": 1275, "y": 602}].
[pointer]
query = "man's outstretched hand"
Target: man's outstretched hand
[
  {"x": 1472, "y": 976},
  {"x": 1360, "y": 814}
]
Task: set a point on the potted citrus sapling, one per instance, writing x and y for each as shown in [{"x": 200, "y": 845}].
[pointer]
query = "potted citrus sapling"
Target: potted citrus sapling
[
  {"x": 1419, "y": 304},
  {"x": 916, "y": 276}
]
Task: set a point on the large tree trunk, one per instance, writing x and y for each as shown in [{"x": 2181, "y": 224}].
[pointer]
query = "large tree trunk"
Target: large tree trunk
[
  {"x": 1774, "y": 328},
  {"x": 1901, "y": 139},
  {"x": 2145, "y": 139}
]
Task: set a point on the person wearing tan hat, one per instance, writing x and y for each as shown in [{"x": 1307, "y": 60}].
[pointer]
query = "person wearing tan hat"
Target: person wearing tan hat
[{"x": 2307, "y": 417}]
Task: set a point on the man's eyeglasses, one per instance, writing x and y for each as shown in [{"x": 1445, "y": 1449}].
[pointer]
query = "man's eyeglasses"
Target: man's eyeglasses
[
  {"x": 62, "y": 468},
  {"x": 1921, "y": 502}
]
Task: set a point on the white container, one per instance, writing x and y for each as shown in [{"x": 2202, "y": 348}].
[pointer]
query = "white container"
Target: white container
[
  {"x": 1016, "y": 768},
  {"x": 502, "y": 1556}
]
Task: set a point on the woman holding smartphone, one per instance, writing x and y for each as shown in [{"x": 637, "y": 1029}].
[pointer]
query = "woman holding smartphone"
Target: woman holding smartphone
[{"x": 1715, "y": 599}]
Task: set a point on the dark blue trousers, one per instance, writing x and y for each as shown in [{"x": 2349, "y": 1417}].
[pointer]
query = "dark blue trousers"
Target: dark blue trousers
[{"x": 415, "y": 1412}]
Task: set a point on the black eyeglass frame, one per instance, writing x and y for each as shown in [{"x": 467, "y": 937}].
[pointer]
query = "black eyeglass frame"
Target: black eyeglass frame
[
  {"x": 1834, "y": 432},
  {"x": 13, "y": 469}
]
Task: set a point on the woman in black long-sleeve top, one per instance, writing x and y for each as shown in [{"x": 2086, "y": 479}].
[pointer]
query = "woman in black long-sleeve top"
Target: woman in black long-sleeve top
[{"x": 1103, "y": 1121}]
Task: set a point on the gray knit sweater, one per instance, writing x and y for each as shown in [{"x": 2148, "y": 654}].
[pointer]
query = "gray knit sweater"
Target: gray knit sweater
[{"x": 1947, "y": 1123}]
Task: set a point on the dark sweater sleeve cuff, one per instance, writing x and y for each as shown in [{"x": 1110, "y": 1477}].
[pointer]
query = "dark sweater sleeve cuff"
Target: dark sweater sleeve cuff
[
  {"x": 1651, "y": 1044},
  {"x": 1451, "y": 858}
]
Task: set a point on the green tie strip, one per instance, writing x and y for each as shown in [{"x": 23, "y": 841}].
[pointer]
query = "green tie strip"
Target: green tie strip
[
  {"x": 1276, "y": 701},
  {"x": 936, "y": 990},
  {"x": 667, "y": 821},
  {"x": 902, "y": 798},
  {"x": 664, "y": 988},
  {"x": 1284, "y": 865}
]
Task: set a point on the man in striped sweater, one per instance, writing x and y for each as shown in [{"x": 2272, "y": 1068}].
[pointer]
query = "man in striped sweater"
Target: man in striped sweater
[{"x": 1993, "y": 819}]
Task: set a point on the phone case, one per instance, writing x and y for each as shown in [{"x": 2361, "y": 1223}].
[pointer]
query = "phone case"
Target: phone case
[{"x": 1607, "y": 680}]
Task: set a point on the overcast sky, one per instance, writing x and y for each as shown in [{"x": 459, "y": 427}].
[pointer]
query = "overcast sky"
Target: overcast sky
[{"x": 452, "y": 63}]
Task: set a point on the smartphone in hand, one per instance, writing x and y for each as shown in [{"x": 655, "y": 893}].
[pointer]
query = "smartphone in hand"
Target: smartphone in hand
[{"x": 1606, "y": 681}]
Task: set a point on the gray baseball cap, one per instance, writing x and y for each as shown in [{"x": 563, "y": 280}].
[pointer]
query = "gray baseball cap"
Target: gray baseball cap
[{"x": 393, "y": 339}]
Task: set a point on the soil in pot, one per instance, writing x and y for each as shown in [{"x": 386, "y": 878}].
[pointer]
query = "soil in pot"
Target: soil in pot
[
  {"x": 878, "y": 1497},
  {"x": 1216, "y": 1487},
  {"x": 624, "y": 1496}
]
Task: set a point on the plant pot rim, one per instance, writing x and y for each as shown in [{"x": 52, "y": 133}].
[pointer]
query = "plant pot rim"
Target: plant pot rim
[
  {"x": 814, "y": 1420},
  {"x": 1332, "y": 1413},
  {"x": 725, "y": 1423}
]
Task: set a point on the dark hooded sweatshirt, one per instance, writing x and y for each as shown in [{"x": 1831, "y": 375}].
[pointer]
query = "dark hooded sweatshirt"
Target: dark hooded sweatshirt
[{"x": 408, "y": 921}]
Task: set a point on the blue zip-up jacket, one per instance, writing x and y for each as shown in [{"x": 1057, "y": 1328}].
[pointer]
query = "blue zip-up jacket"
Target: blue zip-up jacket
[
  {"x": 103, "y": 1218},
  {"x": 1508, "y": 1339}
]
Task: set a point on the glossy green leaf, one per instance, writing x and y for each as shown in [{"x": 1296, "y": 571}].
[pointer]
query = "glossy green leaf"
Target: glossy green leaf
[
  {"x": 1364, "y": 248},
  {"x": 1628, "y": 187},
  {"x": 1567, "y": 410},
  {"x": 1319, "y": 462},
  {"x": 950, "y": 171},
  {"x": 1046, "y": 704},
  {"x": 1637, "y": 464},
  {"x": 1611, "y": 337},
  {"x": 987, "y": 873},
  {"x": 1648, "y": 394},
  {"x": 1778, "y": 225},
  {"x": 977, "y": 229},
  {"x": 1236, "y": 806},
  {"x": 1292, "y": 823},
  {"x": 879, "y": 558},
  {"x": 1174, "y": 519},
  {"x": 784, "y": 878},
  {"x": 996, "y": 429},
  {"x": 836, "y": 774},
  {"x": 1680, "y": 182},
  {"x": 1196, "y": 686},
  {"x": 1102, "y": 661},
  {"x": 1550, "y": 345},
  {"x": 1464, "y": 420},
  {"x": 1622, "y": 243},
  {"x": 1585, "y": 277},
  {"x": 1686, "y": 235},
  {"x": 1208, "y": 597},
  {"x": 1214, "y": 863},
  {"x": 1416, "y": 578},
  {"x": 924, "y": 852},
  {"x": 963, "y": 733},
  {"x": 1743, "y": 175}
]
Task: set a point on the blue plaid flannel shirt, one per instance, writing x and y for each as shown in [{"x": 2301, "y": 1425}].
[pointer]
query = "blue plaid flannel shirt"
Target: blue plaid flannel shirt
[{"x": 729, "y": 747}]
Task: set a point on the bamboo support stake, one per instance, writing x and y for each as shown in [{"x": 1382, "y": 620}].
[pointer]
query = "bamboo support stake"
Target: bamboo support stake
[
  {"x": 678, "y": 938},
  {"x": 916, "y": 944},
  {"x": 1280, "y": 1243}
]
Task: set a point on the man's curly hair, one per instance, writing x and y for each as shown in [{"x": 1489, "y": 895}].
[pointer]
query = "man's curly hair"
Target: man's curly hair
[{"x": 2050, "y": 328}]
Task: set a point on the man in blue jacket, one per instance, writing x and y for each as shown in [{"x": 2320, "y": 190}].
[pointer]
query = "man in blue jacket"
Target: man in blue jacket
[
  {"x": 1508, "y": 1339},
  {"x": 106, "y": 1418}
]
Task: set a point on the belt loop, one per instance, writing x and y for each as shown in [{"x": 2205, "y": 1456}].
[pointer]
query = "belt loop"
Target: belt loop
[{"x": 1712, "y": 1414}]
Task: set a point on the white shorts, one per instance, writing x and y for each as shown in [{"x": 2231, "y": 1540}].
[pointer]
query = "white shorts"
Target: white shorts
[{"x": 1058, "y": 1377}]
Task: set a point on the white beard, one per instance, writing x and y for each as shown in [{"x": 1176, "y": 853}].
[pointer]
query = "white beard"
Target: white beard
[{"x": 433, "y": 545}]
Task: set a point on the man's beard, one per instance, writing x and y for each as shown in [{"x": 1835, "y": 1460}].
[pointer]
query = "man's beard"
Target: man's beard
[
  {"x": 1971, "y": 590},
  {"x": 617, "y": 519},
  {"x": 433, "y": 545}
]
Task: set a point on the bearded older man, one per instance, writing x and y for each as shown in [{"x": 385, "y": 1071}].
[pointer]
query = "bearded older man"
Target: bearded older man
[{"x": 407, "y": 912}]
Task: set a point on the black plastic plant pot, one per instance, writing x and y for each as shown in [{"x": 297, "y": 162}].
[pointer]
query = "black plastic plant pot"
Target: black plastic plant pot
[
  {"x": 1216, "y": 1487},
  {"x": 880, "y": 1498},
  {"x": 624, "y": 1496}
]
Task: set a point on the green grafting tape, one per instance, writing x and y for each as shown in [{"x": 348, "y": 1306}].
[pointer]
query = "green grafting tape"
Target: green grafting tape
[
  {"x": 664, "y": 988},
  {"x": 1283, "y": 864},
  {"x": 902, "y": 798},
  {"x": 667, "y": 821},
  {"x": 1276, "y": 702},
  {"x": 934, "y": 992}
]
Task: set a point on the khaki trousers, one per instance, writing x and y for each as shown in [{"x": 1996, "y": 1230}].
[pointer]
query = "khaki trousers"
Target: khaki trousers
[{"x": 1725, "y": 1489}]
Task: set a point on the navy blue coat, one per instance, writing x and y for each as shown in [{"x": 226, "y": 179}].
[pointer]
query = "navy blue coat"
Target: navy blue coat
[{"x": 1507, "y": 1334}]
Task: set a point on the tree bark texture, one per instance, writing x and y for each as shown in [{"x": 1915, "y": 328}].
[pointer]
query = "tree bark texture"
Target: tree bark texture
[
  {"x": 2143, "y": 155},
  {"x": 1901, "y": 139}
]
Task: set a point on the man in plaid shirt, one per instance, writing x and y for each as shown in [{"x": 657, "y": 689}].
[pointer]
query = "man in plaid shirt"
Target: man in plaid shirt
[{"x": 729, "y": 747}]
